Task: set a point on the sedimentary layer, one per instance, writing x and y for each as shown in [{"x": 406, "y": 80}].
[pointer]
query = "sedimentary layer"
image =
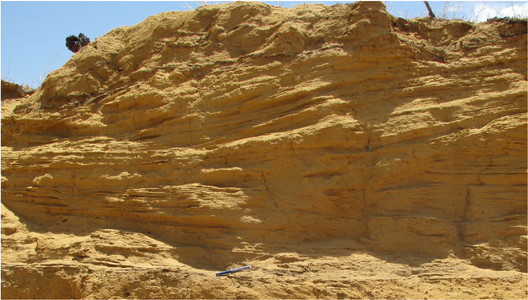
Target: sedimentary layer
[{"x": 333, "y": 148}]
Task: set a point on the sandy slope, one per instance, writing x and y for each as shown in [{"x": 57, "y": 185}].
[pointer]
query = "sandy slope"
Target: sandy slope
[{"x": 339, "y": 151}]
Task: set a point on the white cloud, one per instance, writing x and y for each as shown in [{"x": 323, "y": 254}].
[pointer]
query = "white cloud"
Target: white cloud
[{"x": 487, "y": 10}]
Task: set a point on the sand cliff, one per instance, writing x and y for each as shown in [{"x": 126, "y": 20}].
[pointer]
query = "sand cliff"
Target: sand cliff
[{"x": 340, "y": 151}]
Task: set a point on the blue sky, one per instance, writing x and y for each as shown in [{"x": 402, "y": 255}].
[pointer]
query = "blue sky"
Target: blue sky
[{"x": 33, "y": 33}]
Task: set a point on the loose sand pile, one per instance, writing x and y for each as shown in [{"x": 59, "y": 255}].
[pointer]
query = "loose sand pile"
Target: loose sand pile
[{"x": 339, "y": 151}]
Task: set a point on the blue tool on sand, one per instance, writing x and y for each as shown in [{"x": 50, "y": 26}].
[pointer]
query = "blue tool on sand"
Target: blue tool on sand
[{"x": 232, "y": 271}]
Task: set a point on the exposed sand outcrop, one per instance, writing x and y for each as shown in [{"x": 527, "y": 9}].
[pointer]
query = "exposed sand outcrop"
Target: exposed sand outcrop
[
  {"x": 340, "y": 151},
  {"x": 11, "y": 91}
]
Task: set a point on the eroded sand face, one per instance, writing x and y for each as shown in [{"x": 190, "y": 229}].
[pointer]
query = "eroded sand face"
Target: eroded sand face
[{"x": 339, "y": 151}]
